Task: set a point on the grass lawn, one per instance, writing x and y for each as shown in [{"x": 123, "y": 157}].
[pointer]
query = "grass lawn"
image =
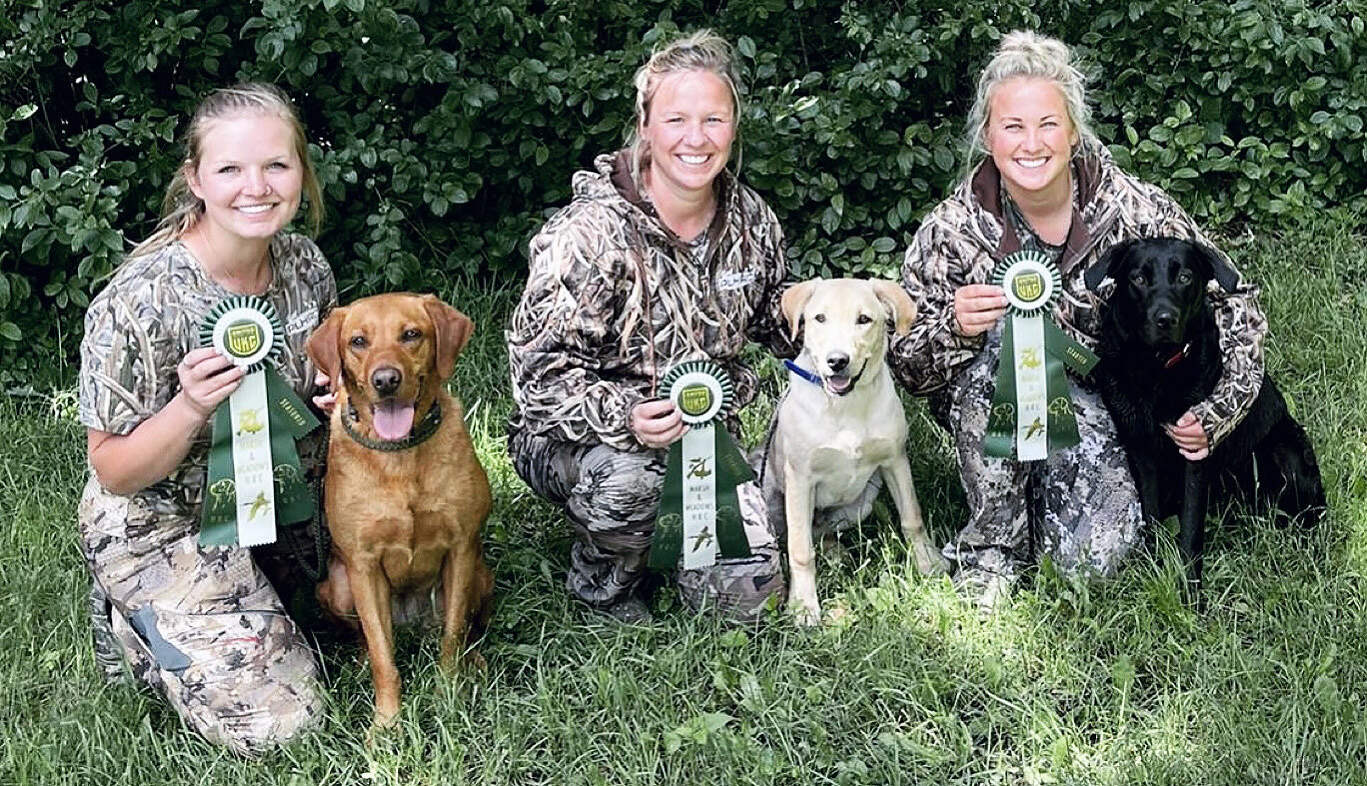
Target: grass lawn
[{"x": 1080, "y": 683}]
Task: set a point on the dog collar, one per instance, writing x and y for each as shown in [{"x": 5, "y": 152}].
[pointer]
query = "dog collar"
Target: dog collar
[
  {"x": 1177, "y": 357},
  {"x": 421, "y": 433},
  {"x": 802, "y": 372}
]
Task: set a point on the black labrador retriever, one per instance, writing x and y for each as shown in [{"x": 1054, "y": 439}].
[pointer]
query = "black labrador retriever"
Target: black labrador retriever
[{"x": 1160, "y": 354}]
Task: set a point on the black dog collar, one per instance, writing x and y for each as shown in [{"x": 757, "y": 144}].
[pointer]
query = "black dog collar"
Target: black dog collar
[{"x": 420, "y": 434}]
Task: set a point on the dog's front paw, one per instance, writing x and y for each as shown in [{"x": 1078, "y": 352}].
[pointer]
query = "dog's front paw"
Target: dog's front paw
[
  {"x": 382, "y": 728},
  {"x": 806, "y": 611},
  {"x": 929, "y": 561}
]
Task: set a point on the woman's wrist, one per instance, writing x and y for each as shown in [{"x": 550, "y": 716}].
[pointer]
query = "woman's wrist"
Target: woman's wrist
[{"x": 188, "y": 413}]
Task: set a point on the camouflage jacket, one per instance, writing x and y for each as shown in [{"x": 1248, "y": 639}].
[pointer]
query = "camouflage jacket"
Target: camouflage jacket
[
  {"x": 614, "y": 299},
  {"x": 139, "y": 327},
  {"x": 961, "y": 240}
]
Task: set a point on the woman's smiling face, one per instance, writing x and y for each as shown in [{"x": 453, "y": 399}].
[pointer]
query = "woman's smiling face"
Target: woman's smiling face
[
  {"x": 690, "y": 127},
  {"x": 1029, "y": 135},
  {"x": 248, "y": 176}
]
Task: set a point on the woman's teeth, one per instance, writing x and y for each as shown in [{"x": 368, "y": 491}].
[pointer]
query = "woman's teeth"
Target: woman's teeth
[{"x": 693, "y": 159}]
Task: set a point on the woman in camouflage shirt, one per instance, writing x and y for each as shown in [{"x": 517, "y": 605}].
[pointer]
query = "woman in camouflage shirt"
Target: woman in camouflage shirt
[
  {"x": 1046, "y": 183},
  {"x": 661, "y": 257},
  {"x": 202, "y": 625}
]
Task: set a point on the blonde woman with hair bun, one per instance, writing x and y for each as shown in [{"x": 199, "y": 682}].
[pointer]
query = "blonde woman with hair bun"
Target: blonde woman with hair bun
[
  {"x": 663, "y": 256},
  {"x": 204, "y": 626},
  {"x": 1039, "y": 179}
]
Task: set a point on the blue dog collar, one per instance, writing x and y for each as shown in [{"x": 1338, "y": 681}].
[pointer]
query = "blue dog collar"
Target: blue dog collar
[{"x": 802, "y": 372}]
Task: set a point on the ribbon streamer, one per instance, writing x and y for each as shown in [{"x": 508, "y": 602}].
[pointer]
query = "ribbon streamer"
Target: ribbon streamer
[
  {"x": 699, "y": 514},
  {"x": 254, "y": 480},
  {"x": 1032, "y": 409}
]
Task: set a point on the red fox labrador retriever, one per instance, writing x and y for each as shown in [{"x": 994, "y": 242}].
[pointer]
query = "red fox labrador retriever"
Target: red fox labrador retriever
[{"x": 405, "y": 495}]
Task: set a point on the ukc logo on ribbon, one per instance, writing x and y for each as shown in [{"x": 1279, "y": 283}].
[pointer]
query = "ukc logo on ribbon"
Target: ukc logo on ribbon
[
  {"x": 695, "y": 400},
  {"x": 1028, "y": 286},
  {"x": 244, "y": 338}
]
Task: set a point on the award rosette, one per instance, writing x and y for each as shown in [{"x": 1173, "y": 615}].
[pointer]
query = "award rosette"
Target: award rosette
[
  {"x": 254, "y": 479},
  {"x": 699, "y": 515},
  {"x": 1032, "y": 410}
]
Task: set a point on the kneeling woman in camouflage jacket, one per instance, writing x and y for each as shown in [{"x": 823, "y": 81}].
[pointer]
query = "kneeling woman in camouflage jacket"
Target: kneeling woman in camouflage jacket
[
  {"x": 1045, "y": 184},
  {"x": 204, "y": 625},
  {"x": 661, "y": 257}
]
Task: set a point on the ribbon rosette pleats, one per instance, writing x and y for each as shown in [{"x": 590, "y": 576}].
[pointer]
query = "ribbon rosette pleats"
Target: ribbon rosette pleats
[
  {"x": 699, "y": 515},
  {"x": 1032, "y": 409},
  {"x": 254, "y": 479}
]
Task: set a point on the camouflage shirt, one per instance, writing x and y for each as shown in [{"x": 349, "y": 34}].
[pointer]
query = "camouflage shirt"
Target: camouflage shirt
[
  {"x": 614, "y": 299},
  {"x": 961, "y": 240},
  {"x": 140, "y": 326}
]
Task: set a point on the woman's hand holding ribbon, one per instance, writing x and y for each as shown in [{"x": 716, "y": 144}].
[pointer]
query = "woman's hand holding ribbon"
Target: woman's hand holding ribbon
[
  {"x": 206, "y": 379},
  {"x": 656, "y": 423},
  {"x": 977, "y": 307}
]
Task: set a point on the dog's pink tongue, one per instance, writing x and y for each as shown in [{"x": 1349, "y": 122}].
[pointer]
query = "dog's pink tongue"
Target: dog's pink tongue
[{"x": 393, "y": 419}]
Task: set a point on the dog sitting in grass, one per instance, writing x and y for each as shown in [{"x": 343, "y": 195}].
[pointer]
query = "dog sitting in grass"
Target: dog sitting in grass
[
  {"x": 1160, "y": 354},
  {"x": 840, "y": 429}
]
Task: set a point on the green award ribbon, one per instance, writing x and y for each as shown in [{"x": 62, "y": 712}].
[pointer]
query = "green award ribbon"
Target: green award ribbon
[
  {"x": 699, "y": 515},
  {"x": 254, "y": 479},
  {"x": 1032, "y": 410}
]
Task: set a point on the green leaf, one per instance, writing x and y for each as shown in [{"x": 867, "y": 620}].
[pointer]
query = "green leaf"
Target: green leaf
[
  {"x": 1123, "y": 673},
  {"x": 830, "y": 220},
  {"x": 746, "y": 46},
  {"x": 11, "y": 331},
  {"x": 944, "y": 159}
]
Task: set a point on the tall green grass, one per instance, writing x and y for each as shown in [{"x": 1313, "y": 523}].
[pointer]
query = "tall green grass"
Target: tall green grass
[{"x": 1081, "y": 683}]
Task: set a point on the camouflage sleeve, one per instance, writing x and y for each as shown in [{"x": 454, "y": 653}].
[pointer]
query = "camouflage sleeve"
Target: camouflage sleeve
[
  {"x": 929, "y": 356},
  {"x": 769, "y": 327},
  {"x": 124, "y": 361},
  {"x": 1242, "y": 329},
  {"x": 562, "y": 342}
]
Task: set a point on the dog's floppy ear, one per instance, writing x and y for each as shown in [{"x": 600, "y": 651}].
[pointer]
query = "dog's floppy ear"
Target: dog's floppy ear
[
  {"x": 1218, "y": 268},
  {"x": 1108, "y": 263},
  {"x": 903, "y": 308},
  {"x": 453, "y": 330},
  {"x": 324, "y": 347},
  {"x": 794, "y": 300}
]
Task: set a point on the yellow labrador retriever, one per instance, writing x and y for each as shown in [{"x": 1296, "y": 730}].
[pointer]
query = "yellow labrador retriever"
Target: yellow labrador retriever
[{"x": 840, "y": 422}]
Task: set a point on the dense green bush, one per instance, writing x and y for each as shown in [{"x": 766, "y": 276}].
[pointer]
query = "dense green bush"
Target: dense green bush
[{"x": 445, "y": 131}]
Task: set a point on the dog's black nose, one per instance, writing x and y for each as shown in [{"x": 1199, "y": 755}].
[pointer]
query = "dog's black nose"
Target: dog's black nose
[
  {"x": 386, "y": 380},
  {"x": 1164, "y": 320},
  {"x": 837, "y": 361}
]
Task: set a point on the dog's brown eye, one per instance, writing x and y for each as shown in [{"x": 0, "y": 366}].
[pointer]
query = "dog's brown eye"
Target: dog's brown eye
[
  {"x": 820, "y": 317},
  {"x": 1138, "y": 279},
  {"x": 863, "y": 319},
  {"x": 412, "y": 334},
  {"x": 358, "y": 342},
  {"x": 1184, "y": 277}
]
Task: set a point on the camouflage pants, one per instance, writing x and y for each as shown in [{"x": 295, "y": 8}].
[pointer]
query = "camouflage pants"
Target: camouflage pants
[
  {"x": 610, "y": 497},
  {"x": 202, "y": 626},
  {"x": 1082, "y": 499}
]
